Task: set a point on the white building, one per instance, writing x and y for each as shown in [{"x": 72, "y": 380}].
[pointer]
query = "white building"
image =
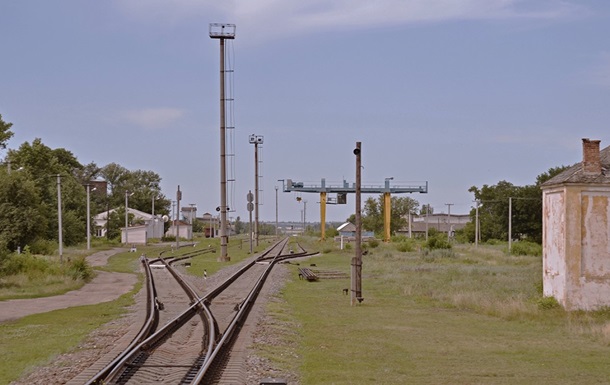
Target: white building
[
  {"x": 152, "y": 227},
  {"x": 576, "y": 232},
  {"x": 182, "y": 228}
]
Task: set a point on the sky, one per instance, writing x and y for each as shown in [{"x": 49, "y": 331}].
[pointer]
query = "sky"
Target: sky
[{"x": 453, "y": 93}]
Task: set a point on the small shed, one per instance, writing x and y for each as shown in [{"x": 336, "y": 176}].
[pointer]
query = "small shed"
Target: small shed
[
  {"x": 576, "y": 232},
  {"x": 182, "y": 228}
]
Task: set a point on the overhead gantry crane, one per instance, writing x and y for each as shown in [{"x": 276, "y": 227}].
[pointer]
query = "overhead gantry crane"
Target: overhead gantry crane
[{"x": 342, "y": 190}]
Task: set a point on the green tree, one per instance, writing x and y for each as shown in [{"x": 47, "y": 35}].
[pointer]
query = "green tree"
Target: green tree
[
  {"x": 197, "y": 226},
  {"x": 145, "y": 186},
  {"x": 40, "y": 164},
  {"x": 21, "y": 218},
  {"x": 240, "y": 227},
  {"x": 526, "y": 210},
  {"x": 5, "y": 132},
  {"x": 373, "y": 216}
]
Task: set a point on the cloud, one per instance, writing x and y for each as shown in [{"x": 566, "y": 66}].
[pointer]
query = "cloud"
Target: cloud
[
  {"x": 154, "y": 118},
  {"x": 282, "y": 18}
]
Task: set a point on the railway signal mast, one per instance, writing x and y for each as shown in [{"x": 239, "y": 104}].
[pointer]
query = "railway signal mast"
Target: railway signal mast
[
  {"x": 256, "y": 140},
  {"x": 223, "y": 32}
]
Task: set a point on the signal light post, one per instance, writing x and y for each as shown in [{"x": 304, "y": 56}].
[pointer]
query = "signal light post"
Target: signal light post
[
  {"x": 256, "y": 140},
  {"x": 356, "y": 284},
  {"x": 222, "y": 32}
]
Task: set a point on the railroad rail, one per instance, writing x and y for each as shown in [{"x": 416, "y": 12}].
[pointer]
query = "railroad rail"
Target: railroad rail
[{"x": 188, "y": 338}]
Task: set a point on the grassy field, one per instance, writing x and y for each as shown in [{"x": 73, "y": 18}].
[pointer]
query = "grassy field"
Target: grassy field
[
  {"x": 465, "y": 316},
  {"x": 460, "y": 316}
]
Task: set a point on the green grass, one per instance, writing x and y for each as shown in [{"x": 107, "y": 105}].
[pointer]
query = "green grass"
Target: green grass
[
  {"x": 22, "y": 286},
  {"x": 472, "y": 317},
  {"x": 35, "y": 340}
]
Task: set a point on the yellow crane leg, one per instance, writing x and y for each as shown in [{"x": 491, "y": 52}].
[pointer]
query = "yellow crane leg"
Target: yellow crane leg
[
  {"x": 323, "y": 215},
  {"x": 387, "y": 214}
]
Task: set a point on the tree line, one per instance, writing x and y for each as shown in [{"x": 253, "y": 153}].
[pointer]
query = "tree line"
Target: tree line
[
  {"x": 29, "y": 194},
  {"x": 493, "y": 211}
]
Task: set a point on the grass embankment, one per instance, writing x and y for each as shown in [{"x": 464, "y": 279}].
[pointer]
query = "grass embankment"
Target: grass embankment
[
  {"x": 27, "y": 275},
  {"x": 460, "y": 316}
]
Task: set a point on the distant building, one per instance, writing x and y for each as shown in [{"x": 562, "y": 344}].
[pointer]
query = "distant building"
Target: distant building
[
  {"x": 152, "y": 226},
  {"x": 576, "y": 232},
  {"x": 189, "y": 213},
  {"x": 443, "y": 223},
  {"x": 181, "y": 228},
  {"x": 347, "y": 231}
]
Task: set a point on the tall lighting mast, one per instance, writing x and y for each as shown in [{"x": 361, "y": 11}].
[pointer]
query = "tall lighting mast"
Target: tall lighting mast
[{"x": 223, "y": 32}]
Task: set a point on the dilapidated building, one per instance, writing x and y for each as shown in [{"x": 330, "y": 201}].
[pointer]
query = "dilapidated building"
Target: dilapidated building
[{"x": 576, "y": 232}]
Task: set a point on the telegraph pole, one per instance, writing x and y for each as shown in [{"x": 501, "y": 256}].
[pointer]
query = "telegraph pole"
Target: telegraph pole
[
  {"x": 510, "y": 223},
  {"x": 356, "y": 284},
  {"x": 59, "y": 224},
  {"x": 178, "y": 198},
  {"x": 276, "y": 222},
  {"x": 250, "y": 207},
  {"x": 449, "y": 221},
  {"x": 476, "y": 225}
]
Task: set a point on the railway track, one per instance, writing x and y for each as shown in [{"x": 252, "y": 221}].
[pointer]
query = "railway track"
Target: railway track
[{"x": 188, "y": 338}]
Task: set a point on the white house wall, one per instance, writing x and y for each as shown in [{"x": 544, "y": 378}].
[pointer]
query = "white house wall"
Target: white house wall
[
  {"x": 576, "y": 246},
  {"x": 594, "y": 281},
  {"x": 554, "y": 238},
  {"x": 137, "y": 235}
]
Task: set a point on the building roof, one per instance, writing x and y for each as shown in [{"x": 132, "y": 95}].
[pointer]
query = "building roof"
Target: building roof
[
  {"x": 347, "y": 226},
  {"x": 137, "y": 213},
  {"x": 575, "y": 173}
]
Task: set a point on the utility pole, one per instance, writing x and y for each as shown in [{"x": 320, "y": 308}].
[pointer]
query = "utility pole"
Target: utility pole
[
  {"x": 510, "y": 223},
  {"x": 276, "y": 221},
  {"x": 222, "y": 32},
  {"x": 193, "y": 209},
  {"x": 476, "y": 225},
  {"x": 449, "y": 221},
  {"x": 304, "y": 214},
  {"x": 250, "y": 207},
  {"x": 356, "y": 284},
  {"x": 59, "y": 224},
  {"x": 427, "y": 212},
  {"x": 89, "y": 215},
  {"x": 178, "y": 198},
  {"x": 127, "y": 195}
]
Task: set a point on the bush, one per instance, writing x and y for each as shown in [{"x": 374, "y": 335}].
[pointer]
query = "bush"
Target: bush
[
  {"x": 43, "y": 246},
  {"x": 79, "y": 269},
  {"x": 407, "y": 245},
  {"x": 373, "y": 243},
  {"x": 434, "y": 255},
  {"x": 547, "y": 303},
  {"x": 437, "y": 242},
  {"x": 25, "y": 263},
  {"x": 526, "y": 248}
]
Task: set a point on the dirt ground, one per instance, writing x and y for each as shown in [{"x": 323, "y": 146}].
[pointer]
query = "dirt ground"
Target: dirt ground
[{"x": 103, "y": 288}]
